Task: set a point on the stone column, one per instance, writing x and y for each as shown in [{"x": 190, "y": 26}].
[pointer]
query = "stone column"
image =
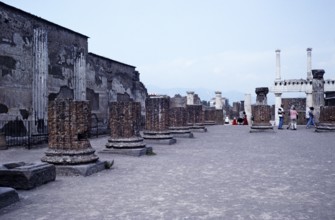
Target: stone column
[
  {"x": 157, "y": 120},
  {"x": 309, "y": 101},
  {"x": 219, "y": 116},
  {"x": 318, "y": 92},
  {"x": 69, "y": 147},
  {"x": 277, "y": 105},
  {"x": 278, "y": 74},
  {"x": 3, "y": 144},
  {"x": 178, "y": 122},
  {"x": 261, "y": 112},
  {"x": 309, "y": 63},
  {"x": 195, "y": 118},
  {"x": 80, "y": 77},
  {"x": 178, "y": 117},
  {"x": 190, "y": 98},
  {"x": 247, "y": 107},
  {"x": 218, "y": 100},
  {"x": 261, "y": 93},
  {"x": 40, "y": 78},
  {"x": 327, "y": 119},
  {"x": 125, "y": 124},
  {"x": 209, "y": 116},
  {"x": 68, "y": 133}
]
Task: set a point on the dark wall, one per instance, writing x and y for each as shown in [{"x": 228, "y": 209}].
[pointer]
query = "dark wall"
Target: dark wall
[{"x": 16, "y": 56}]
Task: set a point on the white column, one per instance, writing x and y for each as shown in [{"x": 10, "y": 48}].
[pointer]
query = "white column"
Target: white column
[
  {"x": 277, "y": 105},
  {"x": 40, "y": 75},
  {"x": 278, "y": 74},
  {"x": 190, "y": 98},
  {"x": 80, "y": 78},
  {"x": 309, "y": 64},
  {"x": 218, "y": 100},
  {"x": 247, "y": 107}
]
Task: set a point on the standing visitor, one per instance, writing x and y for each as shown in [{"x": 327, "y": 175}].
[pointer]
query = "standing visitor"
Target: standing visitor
[
  {"x": 245, "y": 119},
  {"x": 311, "y": 117},
  {"x": 234, "y": 121},
  {"x": 293, "y": 116},
  {"x": 281, "y": 116}
]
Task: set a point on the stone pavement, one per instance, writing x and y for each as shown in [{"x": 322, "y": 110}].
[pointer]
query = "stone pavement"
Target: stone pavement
[{"x": 225, "y": 173}]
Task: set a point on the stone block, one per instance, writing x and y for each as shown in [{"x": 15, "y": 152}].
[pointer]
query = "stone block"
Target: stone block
[
  {"x": 8, "y": 196},
  {"x": 130, "y": 152},
  {"x": 81, "y": 169},
  {"x": 21, "y": 175}
]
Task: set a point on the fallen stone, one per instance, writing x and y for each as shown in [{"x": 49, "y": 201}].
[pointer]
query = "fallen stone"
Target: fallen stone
[
  {"x": 21, "y": 175},
  {"x": 8, "y": 196}
]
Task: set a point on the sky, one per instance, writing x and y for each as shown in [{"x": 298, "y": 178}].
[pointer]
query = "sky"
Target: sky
[{"x": 202, "y": 45}]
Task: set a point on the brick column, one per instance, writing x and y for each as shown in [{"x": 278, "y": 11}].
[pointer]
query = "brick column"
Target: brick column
[
  {"x": 327, "y": 119},
  {"x": 195, "y": 117},
  {"x": 261, "y": 112},
  {"x": 209, "y": 116},
  {"x": 178, "y": 122},
  {"x": 157, "y": 120},
  {"x": 125, "y": 119},
  {"x": 68, "y": 124}
]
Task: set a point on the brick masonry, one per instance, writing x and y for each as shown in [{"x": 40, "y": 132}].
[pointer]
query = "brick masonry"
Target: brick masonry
[
  {"x": 157, "y": 113},
  {"x": 68, "y": 133},
  {"x": 261, "y": 115},
  {"x": 125, "y": 119},
  {"x": 195, "y": 115}
]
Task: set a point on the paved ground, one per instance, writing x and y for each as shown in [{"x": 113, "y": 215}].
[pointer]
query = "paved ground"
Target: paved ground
[{"x": 226, "y": 173}]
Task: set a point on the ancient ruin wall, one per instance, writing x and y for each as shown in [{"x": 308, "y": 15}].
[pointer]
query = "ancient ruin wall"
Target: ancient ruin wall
[
  {"x": 110, "y": 81},
  {"x": 22, "y": 44}
]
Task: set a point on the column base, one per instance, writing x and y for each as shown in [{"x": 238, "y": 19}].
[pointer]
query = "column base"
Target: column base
[
  {"x": 325, "y": 127},
  {"x": 261, "y": 128},
  {"x": 81, "y": 169},
  {"x": 183, "y": 132}
]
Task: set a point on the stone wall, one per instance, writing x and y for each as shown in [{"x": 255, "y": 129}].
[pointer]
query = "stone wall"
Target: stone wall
[
  {"x": 25, "y": 39},
  {"x": 111, "y": 81},
  {"x": 41, "y": 61}
]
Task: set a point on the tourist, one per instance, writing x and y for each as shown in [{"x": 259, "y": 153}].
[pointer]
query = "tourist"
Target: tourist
[
  {"x": 234, "y": 121},
  {"x": 245, "y": 119},
  {"x": 226, "y": 121},
  {"x": 293, "y": 116},
  {"x": 281, "y": 116},
  {"x": 311, "y": 118}
]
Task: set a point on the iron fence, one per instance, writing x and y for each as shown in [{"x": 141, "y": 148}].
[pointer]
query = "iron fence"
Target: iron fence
[
  {"x": 29, "y": 133},
  {"x": 23, "y": 133}
]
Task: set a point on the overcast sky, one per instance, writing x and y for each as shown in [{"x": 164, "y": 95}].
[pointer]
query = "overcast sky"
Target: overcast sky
[{"x": 218, "y": 45}]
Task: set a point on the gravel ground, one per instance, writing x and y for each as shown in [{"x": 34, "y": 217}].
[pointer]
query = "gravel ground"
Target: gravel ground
[{"x": 226, "y": 173}]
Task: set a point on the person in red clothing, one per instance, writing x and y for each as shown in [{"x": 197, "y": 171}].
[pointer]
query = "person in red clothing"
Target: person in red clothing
[
  {"x": 245, "y": 120},
  {"x": 234, "y": 121}
]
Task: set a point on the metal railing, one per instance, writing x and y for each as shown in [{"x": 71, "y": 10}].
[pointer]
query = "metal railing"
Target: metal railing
[
  {"x": 23, "y": 133},
  {"x": 29, "y": 132}
]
